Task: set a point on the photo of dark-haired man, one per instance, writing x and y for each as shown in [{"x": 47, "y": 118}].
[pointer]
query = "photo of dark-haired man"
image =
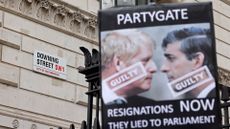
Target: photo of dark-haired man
[{"x": 186, "y": 50}]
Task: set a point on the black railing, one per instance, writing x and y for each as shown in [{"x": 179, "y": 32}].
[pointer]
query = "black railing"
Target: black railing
[
  {"x": 225, "y": 105},
  {"x": 92, "y": 75},
  {"x": 91, "y": 72}
]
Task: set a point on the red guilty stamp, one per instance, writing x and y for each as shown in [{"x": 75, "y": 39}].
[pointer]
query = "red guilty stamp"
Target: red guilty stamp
[
  {"x": 190, "y": 81},
  {"x": 126, "y": 76}
]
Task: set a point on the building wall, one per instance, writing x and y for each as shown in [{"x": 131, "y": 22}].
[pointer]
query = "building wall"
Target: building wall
[
  {"x": 30, "y": 100},
  {"x": 221, "y": 11},
  {"x": 33, "y": 100}
]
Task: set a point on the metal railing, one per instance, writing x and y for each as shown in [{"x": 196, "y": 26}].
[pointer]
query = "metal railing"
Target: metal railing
[
  {"x": 225, "y": 105},
  {"x": 91, "y": 72}
]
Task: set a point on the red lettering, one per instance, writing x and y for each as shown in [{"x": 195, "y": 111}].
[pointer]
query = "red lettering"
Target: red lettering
[{"x": 59, "y": 68}]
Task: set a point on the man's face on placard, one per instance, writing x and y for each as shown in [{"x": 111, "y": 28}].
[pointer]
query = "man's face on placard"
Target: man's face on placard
[
  {"x": 176, "y": 63},
  {"x": 144, "y": 55}
]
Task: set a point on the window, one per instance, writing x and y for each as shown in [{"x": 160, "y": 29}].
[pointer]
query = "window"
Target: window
[{"x": 117, "y": 3}]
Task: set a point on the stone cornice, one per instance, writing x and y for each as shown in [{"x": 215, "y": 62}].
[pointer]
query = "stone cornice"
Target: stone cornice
[
  {"x": 224, "y": 77},
  {"x": 56, "y": 15}
]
